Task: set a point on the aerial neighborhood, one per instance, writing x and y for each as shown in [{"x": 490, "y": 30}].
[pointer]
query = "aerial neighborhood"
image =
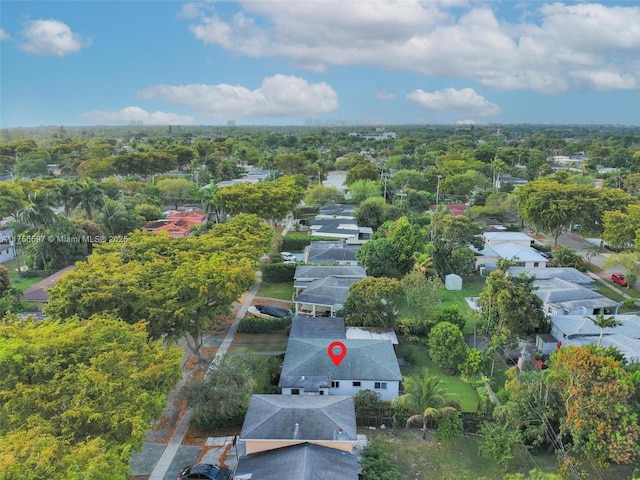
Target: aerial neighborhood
[{"x": 320, "y": 303}]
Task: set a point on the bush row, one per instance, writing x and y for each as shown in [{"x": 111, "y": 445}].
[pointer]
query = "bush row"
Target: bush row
[
  {"x": 278, "y": 272},
  {"x": 305, "y": 210},
  {"x": 263, "y": 325}
]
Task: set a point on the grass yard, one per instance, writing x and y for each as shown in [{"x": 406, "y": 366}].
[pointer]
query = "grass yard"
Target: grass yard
[
  {"x": 279, "y": 290},
  {"x": 14, "y": 276},
  {"x": 261, "y": 342},
  {"x": 420, "y": 459},
  {"x": 418, "y": 357},
  {"x": 471, "y": 287}
]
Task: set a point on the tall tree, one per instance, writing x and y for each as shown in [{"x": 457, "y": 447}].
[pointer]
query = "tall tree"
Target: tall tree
[
  {"x": 37, "y": 213},
  {"x": 447, "y": 346},
  {"x": 372, "y": 302},
  {"x": 78, "y": 396},
  {"x": 88, "y": 196},
  {"x": 65, "y": 194}
]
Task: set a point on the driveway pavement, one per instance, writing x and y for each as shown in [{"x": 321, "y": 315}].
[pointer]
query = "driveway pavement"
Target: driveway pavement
[{"x": 159, "y": 461}]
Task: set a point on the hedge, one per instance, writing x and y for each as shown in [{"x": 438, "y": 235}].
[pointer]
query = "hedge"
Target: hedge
[
  {"x": 263, "y": 325},
  {"x": 296, "y": 243},
  {"x": 305, "y": 210},
  {"x": 278, "y": 272}
]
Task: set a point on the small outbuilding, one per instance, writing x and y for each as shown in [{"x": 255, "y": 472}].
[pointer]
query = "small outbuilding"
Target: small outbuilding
[{"x": 453, "y": 282}]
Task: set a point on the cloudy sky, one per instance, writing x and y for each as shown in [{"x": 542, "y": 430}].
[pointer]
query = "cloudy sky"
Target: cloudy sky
[{"x": 286, "y": 62}]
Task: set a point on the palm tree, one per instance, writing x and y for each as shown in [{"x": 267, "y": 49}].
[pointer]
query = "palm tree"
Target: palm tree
[
  {"x": 427, "y": 395},
  {"x": 113, "y": 217},
  {"x": 423, "y": 264},
  {"x": 65, "y": 193},
  {"x": 604, "y": 322},
  {"x": 631, "y": 279},
  {"x": 89, "y": 196},
  {"x": 37, "y": 213},
  {"x": 210, "y": 200}
]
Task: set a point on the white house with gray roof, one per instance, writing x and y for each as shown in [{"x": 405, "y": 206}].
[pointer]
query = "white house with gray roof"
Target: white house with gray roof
[
  {"x": 331, "y": 252},
  {"x": 560, "y": 297},
  {"x": 324, "y": 297},
  {"x": 305, "y": 275},
  {"x": 580, "y": 330},
  {"x": 514, "y": 246},
  {"x": 276, "y": 421},
  {"x": 368, "y": 364},
  {"x": 568, "y": 274}
]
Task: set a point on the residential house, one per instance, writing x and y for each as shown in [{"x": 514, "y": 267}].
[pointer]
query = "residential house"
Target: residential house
[
  {"x": 330, "y": 252},
  {"x": 306, "y": 461},
  {"x": 334, "y": 328},
  {"x": 368, "y": 364},
  {"x": 276, "y": 421},
  {"x": 514, "y": 246},
  {"x": 177, "y": 224},
  {"x": 324, "y": 297},
  {"x": 580, "y": 330},
  {"x": 38, "y": 293},
  {"x": 568, "y": 274},
  {"x": 298, "y": 438},
  {"x": 6, "y": 246},
  {"x": 560, "y": 297},
  {"x": 305, "y": 275},
  {"x": 344, "y": 228}
]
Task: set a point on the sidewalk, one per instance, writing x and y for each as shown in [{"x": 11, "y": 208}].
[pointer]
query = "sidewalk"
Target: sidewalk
[{"x": 175, "y": 455}]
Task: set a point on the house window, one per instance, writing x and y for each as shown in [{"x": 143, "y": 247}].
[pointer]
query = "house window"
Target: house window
[
  {"x": 321, "y": 392},
  {"x": 356, "y": 384},
  {"x": 335, "y": 384},
  {"x": 380, "y": 385},
  {"x": 295, "y": 391},
  {"x": 536, "y": 264}
]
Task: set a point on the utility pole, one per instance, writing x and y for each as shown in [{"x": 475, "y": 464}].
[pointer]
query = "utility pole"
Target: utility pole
[{"x": 438, "y": 189}]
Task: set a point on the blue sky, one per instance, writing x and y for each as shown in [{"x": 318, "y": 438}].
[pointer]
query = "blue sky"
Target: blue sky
[{"x": 283, "y": 62}]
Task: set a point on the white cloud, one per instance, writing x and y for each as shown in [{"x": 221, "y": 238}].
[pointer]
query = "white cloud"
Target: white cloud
[
  {"x": 136, "y": 115},
  {"x": 382, "y": 95},
  {"x": 51, "y": 37},
  {"x": 278, "y": 96},
  {"x": 4, "y": 35},
  {"x": 465, "y": 101},
  {"x": 446, "y": 38}
]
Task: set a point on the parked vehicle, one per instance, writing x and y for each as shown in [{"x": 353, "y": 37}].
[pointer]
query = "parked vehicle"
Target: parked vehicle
[
  {"x": 619, "y": 279},
  {"x": 288, "y": 257},
  {"x": 206, "y": 471},
  {"x": 269, "y": 311}
]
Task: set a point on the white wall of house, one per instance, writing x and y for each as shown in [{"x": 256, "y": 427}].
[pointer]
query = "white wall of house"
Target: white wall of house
[
  {"x": 6, "y": 252},
  {"x": 388, "y": 390}
]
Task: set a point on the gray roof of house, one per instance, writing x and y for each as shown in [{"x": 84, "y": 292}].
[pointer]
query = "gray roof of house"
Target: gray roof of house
[
  {"x": 580, "y": 325},
  {"x": 332, "y": 254},
  {"x": 506, "y": 236},
  {"x": 516, "y": 251},
  {"x": 318, "y": 327},
  {"x": 327, "y": 291},
  {"x": 337, "y": 210},
  {"x": 315, "y": 272},
  {"x": 364, "y": 360},
  {"x": 628, "y": 347},
  {"x": 300, "y": 417},
  {"x": 299, "y": 462},
  {"x": 334, "y": 226},
  {"x": 568, "y": 274},
  {"x": 566, "y": 295}
]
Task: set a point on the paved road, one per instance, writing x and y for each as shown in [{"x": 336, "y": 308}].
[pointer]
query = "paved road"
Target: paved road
[{"x": 166, "y": 460}]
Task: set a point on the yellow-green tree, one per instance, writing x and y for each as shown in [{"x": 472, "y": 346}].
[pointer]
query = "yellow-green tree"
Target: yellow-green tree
[{"x": 77, "y": 396}]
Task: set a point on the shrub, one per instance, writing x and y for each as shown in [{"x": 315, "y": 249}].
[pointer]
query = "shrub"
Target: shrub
[
  {"x": 449, "y": 427},
  {"x": 377, "y": 464},
  {"x": 278, "y": 272},
  {"x": 366, "y": 400},
  {"x": 263, "y": 325},
  {"x": 305, "y": 210}
]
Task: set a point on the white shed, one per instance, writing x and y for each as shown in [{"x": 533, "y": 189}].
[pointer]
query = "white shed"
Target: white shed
[{"x": 453, "y": 282}]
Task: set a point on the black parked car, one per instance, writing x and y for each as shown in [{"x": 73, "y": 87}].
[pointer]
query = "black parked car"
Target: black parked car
[
  {"x": 269, "y": 311},
  {"x": 205, "y": 471}
]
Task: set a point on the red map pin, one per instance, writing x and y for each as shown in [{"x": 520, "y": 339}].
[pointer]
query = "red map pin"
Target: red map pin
[{"x": 336, "y": 358}]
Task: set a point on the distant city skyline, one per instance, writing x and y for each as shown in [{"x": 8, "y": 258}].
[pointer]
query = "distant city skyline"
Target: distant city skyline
[{"x": 318, "y": 62}]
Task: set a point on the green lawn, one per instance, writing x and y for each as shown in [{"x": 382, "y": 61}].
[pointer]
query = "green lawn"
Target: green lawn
[
  {"x": 14, "y": 276},
  {"x": 279, "y": 290},
  {"x": 418, "y": 357},
  {"x": 471, "y": 287},
  {"x": 460, "y": 459}
]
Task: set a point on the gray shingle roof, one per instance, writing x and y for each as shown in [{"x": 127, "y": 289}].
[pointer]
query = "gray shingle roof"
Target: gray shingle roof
[
  {"x": 567, "y": 295},
  {"x": 315, "y": 272},
  {"x": 319, "y": 327},
  {"x": 327, "y": 291},
  {"x": 364, "y": 360},
  {"x": 580, "y": 325},
  {"x": 568, "y": 274},
  {"x": 300, "y": 462},
  {"x": 300, "y": 417}
]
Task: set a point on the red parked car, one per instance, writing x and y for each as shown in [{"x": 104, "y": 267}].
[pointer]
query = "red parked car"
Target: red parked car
[{"x": 619, "y": 279}]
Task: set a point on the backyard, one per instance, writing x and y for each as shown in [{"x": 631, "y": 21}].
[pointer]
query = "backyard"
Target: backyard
[{"x": 16, "y": 280}]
